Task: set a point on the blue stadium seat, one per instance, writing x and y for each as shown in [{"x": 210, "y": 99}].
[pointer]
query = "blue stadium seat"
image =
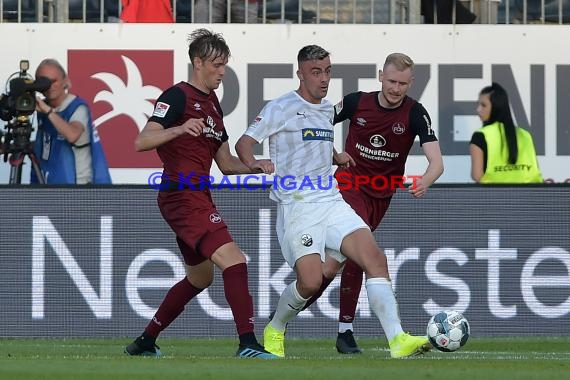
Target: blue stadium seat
[
  {"x": 291, "y": 11},
  {"x": 10, "y": 10},
  {"x": 550, "y": 10},
  {"x": 183, "y": 11}
]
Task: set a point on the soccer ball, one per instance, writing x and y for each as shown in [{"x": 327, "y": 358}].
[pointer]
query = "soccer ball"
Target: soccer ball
[{"x": 448, "y": 330}]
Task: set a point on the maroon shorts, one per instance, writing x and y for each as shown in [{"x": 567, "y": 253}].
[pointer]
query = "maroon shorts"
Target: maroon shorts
[
  {"x": 370, "y": 209},
  {"x": 199, "y": 228}
]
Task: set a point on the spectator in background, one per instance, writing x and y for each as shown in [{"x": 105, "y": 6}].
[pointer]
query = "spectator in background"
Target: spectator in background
[
  {"x": 67, "y": 144},
  {"x": 500, "y": 151},
  {"x": 151, "y": 11},
  {"x": 441, "y": 12},
  {"x": 239, "y": 9},
  {"x": 187, "y": 130}
]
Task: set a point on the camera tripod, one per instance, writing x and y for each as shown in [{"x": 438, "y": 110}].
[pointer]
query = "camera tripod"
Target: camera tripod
[{"x": 16, "y": 160}]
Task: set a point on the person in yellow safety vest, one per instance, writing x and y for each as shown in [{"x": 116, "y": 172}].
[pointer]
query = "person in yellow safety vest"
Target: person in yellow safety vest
[{"x": 500, "y": 151}]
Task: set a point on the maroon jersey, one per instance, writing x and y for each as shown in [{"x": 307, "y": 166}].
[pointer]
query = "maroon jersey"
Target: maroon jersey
[
  {"x": 379, "y": 139},
  {"x": 188, "y": 158}
]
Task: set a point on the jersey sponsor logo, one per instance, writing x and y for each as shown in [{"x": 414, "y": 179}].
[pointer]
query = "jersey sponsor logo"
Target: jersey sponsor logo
[
  {"x": 210, "y": 121},
  {"x": 377, "y": 141},
  {"x": 161, "y": 109},
  {"x": 317, "y": 134},
  {"x": 197, "y": 107},
  {"x": 398, "y": 128},
  {"x": 215, "y": 217},
  {"x": 360, "y": 121},
  {"x": 109, "y": 79},
  {"x": 306, "y": 240},
  {"x": 376, "y": 154},
  {"x": 302, "y": 114}
]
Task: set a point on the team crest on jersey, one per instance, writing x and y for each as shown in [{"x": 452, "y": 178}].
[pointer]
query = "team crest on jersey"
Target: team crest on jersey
[
  {"x": 398, "y": 128},
  {"x": 360, "y": 121},
  {"x": 377, "y": 141},
  {"x": 215, "y": 218},
  {"x": 160, "y": 109},
  {"x": 317, "y": 134}
]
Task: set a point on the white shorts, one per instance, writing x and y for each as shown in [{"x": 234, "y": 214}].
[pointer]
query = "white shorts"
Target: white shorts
[{"x": 308, "y": 228}]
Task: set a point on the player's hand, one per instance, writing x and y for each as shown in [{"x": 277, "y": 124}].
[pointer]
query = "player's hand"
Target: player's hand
[
  {"x": 193, "y": 127},
  {"x": 417, "y": 188},
  {"x": 262, "y": 166},
  {"x": 343, "y": 160}
]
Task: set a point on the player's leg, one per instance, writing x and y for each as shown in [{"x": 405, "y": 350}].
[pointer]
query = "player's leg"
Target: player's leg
[
  {"x": 300, "y": 230},
  {"x": 199, "y": 275},
  {"x": 292, "y": 302},
  {"x": 231, "y": 261},
  {"x": 361, "y": 247},
  {"x": 330, "y": 268},
  {"x": 371, "y": 210},
  {"x": 350, "y": 286}
]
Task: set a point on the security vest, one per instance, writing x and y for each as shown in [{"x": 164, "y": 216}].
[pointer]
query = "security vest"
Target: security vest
[
  {"x": 498, "y": 170},
  {"x": 58, "y": 167}
]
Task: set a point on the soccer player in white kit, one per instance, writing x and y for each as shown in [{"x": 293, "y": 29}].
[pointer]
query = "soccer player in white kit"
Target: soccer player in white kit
[{"x": 313, "y": 220}]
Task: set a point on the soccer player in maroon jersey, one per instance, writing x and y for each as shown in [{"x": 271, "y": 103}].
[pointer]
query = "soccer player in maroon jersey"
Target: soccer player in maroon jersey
[
  {"x": 383, "y": 126},
  {"x": 188, "y": 132}
]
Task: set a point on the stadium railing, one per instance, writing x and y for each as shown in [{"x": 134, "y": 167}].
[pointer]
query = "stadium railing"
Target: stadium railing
[{"x": 300, "y": 11}]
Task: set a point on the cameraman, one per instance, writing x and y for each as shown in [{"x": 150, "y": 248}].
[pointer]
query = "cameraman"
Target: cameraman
[{"x": 67, "y": 145}]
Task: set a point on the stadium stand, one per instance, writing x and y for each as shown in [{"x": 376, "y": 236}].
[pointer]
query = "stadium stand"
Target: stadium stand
[{"x": 299, "y": 11}]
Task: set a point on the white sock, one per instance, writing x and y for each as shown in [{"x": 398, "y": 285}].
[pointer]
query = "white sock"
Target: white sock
[
  {"x": 343, "y": 327},
  {"x": 290, "y": 304},
  {"x": 383, "y": 303}
]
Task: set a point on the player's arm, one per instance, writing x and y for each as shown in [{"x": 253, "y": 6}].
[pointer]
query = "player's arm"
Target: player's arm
[
  {"x": 434, "y": 169},
  {"x": 344, "y": 110},
  {"x": 343, "y": 159},
  {"x": 421, "y": 124},
  {"x": 162, "y": 125},
  {"x": 244, "y": 149},
  {"x": 230, "y": 164}
]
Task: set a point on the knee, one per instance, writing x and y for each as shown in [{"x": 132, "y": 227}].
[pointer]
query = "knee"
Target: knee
[
  {"x": 309, "y": 287},
  {"x": 201, "y": 280}
]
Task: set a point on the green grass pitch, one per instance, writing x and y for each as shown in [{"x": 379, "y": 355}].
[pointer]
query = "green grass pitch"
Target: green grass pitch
[{"x": 103, "y": 359}]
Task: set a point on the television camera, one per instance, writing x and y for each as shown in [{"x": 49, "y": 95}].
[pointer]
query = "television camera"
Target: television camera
[{"x": 16, "y": 107}]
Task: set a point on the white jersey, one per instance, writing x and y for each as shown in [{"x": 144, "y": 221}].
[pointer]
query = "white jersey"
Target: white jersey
[{"x": 301, "y": 141}]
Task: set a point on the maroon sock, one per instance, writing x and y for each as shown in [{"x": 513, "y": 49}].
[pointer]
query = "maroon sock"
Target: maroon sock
[
  {"x": 350, "y": 285},
  {"x": 171, "y": 307},
  {"x": 326, "y": 282},
  {"x": 238, "y": 297}
]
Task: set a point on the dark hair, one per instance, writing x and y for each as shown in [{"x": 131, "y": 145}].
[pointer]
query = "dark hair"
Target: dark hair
[
  {"x": 501, "y": 112},
  {"x": 311, "y": 53},
  {"x": 205, "y": 44}
]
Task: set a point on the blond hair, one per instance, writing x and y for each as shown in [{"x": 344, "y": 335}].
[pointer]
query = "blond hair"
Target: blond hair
[{"x": 400, "y": 60}]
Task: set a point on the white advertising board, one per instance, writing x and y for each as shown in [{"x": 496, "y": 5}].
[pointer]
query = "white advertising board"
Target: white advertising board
[{"x": 120, "y": 69}]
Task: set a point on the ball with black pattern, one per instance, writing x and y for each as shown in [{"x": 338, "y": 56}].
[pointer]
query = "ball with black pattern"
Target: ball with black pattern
[{"x": 448, "y": 330}]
